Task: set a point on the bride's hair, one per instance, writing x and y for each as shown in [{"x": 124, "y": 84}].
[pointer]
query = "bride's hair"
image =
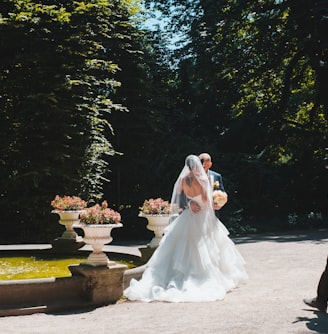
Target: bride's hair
[{"x": 192, "y": 163}]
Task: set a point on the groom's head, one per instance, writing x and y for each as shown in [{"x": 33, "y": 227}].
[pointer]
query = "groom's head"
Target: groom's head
[{"x": 206, "y": 161}]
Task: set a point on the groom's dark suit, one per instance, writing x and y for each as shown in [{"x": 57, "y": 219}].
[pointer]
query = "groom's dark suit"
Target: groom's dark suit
[{"x": 216, "y": 177}]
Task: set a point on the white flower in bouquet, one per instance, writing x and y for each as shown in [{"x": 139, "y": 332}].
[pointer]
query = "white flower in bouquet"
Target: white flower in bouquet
[
  {"x": 216, "y": 185},
  {"x": 220, "y": 198}
]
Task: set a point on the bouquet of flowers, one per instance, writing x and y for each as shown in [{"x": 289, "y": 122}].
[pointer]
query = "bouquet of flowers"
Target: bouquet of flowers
[
  {"x": 157, "y": 206},
  {"x": 100, "y": 214},
  {"x": 220, "y": 198},
  {"x": 68, "y": 203}
]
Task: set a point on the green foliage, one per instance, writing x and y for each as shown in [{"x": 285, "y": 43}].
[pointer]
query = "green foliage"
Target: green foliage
[
  {"x": 250, "y": 90},
  {"x": 245, "y": 81},
  {"x": 58, "y": 79}
]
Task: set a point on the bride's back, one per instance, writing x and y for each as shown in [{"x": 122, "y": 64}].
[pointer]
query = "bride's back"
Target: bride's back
[{"x": 191, "y": 187}]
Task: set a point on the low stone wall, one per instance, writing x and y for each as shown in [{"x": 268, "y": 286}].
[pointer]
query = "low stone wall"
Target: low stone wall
[{"x": 88, "y": 287}]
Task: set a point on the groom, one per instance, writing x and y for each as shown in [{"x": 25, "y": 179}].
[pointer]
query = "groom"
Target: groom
[{"x": 214, "y": 177}]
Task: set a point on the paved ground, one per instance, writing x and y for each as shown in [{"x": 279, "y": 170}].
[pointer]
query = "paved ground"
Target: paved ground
[{"x": 283, "y": 269}]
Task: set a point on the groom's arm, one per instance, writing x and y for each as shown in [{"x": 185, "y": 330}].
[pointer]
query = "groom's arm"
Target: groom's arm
[{"x": 221, "y": 186}]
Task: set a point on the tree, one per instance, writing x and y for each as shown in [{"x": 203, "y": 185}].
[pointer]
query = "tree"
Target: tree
[
  {"x": 253, "y": 74},
  {"x": 57, "y": 86}
]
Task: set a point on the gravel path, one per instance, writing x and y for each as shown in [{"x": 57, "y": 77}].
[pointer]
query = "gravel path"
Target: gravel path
[{"x": 283, "y": 269}]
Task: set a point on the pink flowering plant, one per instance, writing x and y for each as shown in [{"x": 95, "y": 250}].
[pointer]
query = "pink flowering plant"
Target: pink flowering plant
[
  {"x": 156, "y": 206},
  {"x": 100, "y": 214},
  {"x": 68, "y": 203}
]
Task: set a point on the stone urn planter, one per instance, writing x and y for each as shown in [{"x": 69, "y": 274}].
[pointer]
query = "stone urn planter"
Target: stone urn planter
[
  {"x": 68, "y": 218},
  {"x": 69, "y": 209},
  {"x": 159, "y": 214},
  {"x": 97, "y": 223},
  {"x": 97, "y": 235},
  {"x": 157, "y": 224}
]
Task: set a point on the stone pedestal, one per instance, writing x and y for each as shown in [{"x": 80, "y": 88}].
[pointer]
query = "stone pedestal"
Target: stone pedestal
[{"x": 103, "y": 284}]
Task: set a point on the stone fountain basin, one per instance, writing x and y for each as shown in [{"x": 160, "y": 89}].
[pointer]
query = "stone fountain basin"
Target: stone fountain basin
[{"x": 87, "y": 287}]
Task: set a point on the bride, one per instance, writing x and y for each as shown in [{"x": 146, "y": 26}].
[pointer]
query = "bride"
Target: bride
[{"x": 195, "y": 261}]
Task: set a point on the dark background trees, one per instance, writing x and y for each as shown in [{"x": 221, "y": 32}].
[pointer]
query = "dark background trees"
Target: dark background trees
[
  {"x": 57, "y": 76},
  {"x": 94, "y": 104},
  {"x": 252, "y": 73}
]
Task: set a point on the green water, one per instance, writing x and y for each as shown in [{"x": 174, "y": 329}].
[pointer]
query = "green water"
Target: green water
[{"x": 15, "y": 268}]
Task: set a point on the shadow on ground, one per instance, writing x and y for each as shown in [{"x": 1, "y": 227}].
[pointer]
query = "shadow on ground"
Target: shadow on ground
[
  {"x": 317, "y": 236},
  {"x": 318, "y": 323}
]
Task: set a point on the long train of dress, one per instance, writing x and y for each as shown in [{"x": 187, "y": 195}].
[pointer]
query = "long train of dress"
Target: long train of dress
[{"x": 196, "y": 261}]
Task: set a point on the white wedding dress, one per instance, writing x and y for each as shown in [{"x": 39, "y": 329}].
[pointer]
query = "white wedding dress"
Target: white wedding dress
[{"x": 196, "y": 261}]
